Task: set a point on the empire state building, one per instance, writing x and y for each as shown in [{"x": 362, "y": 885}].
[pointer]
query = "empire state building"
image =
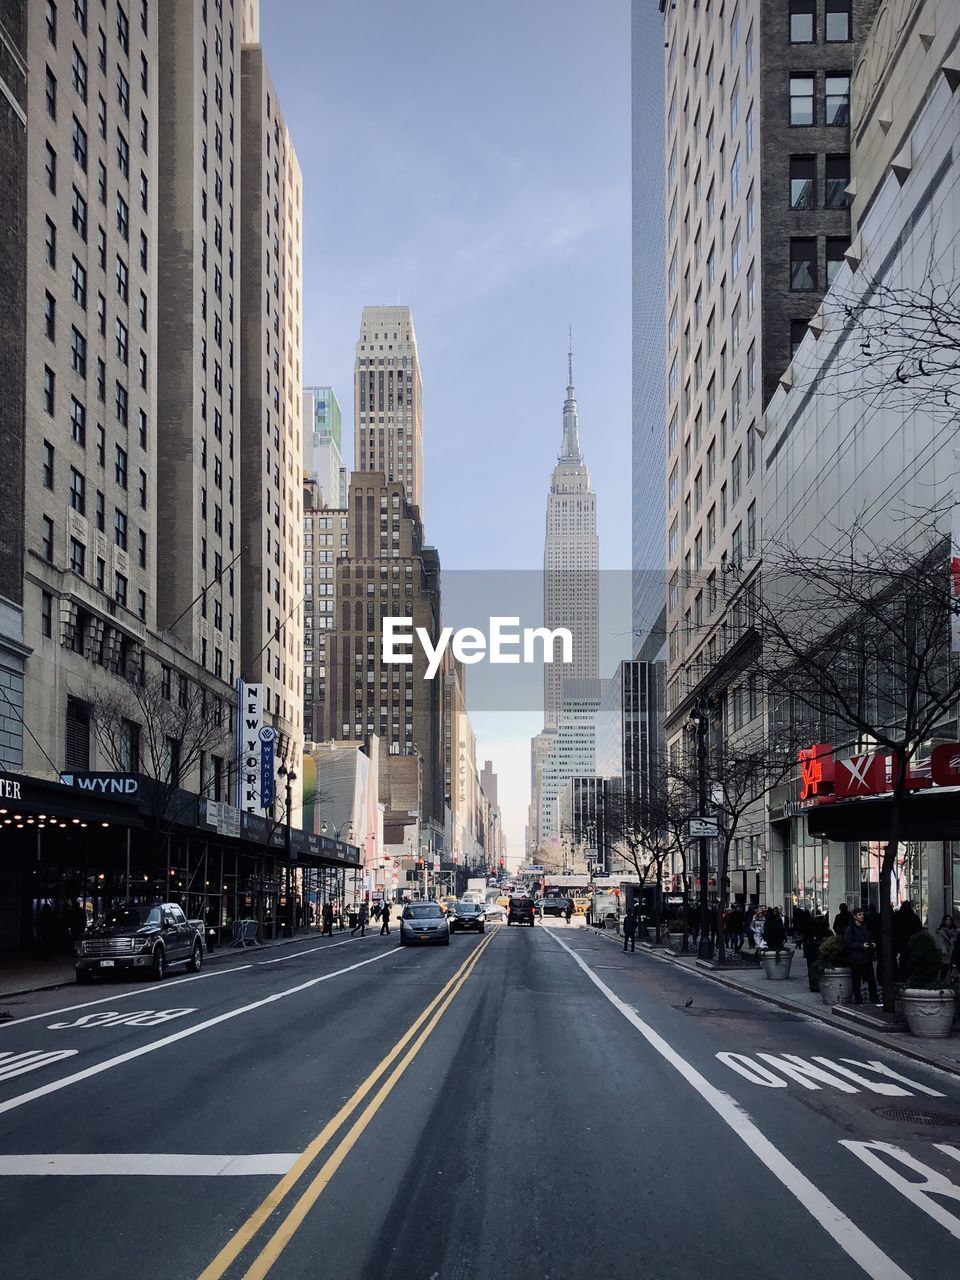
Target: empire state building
[{"x": 570, "y": 563}]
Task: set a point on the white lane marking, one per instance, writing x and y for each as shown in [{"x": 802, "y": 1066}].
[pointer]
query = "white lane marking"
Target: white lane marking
[
  {"x": 918, "y": 1193},
  {"x": 123, "y": 995},
  {"x": 149, "y": 1165},
  {"x": 18, "y": 1064},
  {"x": 847, "y": 1234},
  {"x": 312, "y": 950},
  {"x": 808, "y": 1074},
  {"x": 21, "y": 1099},
  {"x": 110, "y": 1018}
]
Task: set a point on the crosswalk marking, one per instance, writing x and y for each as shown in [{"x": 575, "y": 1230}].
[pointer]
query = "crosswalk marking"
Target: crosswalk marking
[{"x": 18, "y": 1064}]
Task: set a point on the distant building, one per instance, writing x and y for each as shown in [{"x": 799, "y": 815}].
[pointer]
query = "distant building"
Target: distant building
[
  {"x": 324, "y": 541},
  {"x": 573, "y": 750},
  {"x": 388, "y": 400},
  {"x": 322, "y": 448}
]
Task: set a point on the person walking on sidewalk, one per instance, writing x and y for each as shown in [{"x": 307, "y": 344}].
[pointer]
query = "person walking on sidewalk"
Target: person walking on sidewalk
[
  {"x": 385, "y": 918},
  {"x": 906, "y": 923},
  {"x": 734, "y": 928},
  {"x": 774, "y": 930},
  {"x": 327, "y": 917},
  {"x": 860, "y": 952},
  {"x": 946, "y": 940},
  {"x": 630, "y": 929}
]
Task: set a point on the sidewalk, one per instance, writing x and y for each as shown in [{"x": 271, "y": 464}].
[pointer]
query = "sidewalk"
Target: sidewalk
[
  {"x": 20, "y": 975},
  {"x": 795, "y": 995}
]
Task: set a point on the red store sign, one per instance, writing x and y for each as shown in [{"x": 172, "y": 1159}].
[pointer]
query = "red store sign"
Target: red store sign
[{"x": 823, "y": 778}]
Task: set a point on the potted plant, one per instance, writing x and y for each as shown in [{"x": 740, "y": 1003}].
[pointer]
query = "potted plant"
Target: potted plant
[
  {"x": 833, "y": 972},
  {"x": 928, "y": 1002},
  {"x": 776, "y": 963}
]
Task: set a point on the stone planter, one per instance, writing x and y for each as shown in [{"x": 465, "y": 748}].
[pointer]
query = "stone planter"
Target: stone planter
[
  {"x": 836, "y": 986},
  {"x": 929, "y": 1013},
  {"x": 776, "y": 964}
]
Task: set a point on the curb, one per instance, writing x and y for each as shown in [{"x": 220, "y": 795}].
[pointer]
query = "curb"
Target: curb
[
  {"x": 225, "y": 953},
  {"x": 885, "y": 1040}
]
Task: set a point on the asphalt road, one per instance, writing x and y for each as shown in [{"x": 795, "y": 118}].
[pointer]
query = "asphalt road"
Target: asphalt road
[{"x": 532, "y": 1103}]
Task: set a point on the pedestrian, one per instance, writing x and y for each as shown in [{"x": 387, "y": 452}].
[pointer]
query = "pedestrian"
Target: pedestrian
[
  {"x": 327, "y": 917},
  {"x": 860, "y": 952},
  {"x": 821, "y": 926},
  {"x": 385, "y": 918},
  {"x": 569, "y": 911},
  {"x": 748, "y": 922},
  {"x": 841, "y": 920},
  {"x": 946, "y": 939},
  {"x": 774, "y": 930},
  {"x": 906, "y": 923},
  {"x": 757, "y": 926},
  {"x": 630, "y": 928},
  {"x": 361, "y": 921},
  {"x": 735, "y": 928}
]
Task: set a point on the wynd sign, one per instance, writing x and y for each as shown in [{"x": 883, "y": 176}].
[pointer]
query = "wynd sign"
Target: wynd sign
[
  {"x": 249, "y": 724},
  {"x": 824, "y": 779},
  {"x": 117, "y": 786}
]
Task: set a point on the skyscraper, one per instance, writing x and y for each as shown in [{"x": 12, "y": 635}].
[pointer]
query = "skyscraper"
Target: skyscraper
[
  {"x": 388, "y": 400},
  {"x": 322, "y": 447},
  {"x": 271, "y": 444},
  {"x": 570, "y": 563}
]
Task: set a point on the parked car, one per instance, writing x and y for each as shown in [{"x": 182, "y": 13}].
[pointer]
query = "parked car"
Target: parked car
[
  {"x": 468, "y": 915},
  {"x": 497, "y": 912},
  {"x": 424, "y": 922},
  {"x": 145, "y": 936},
  {"x": 521, "y": 911}
]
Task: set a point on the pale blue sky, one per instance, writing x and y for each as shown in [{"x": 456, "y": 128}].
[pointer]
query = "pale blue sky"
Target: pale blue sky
[{"x": 475, "y": 159}]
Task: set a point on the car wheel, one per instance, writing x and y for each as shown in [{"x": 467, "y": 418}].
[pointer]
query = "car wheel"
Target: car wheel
[
  {"x": 158, "y": 970},
  {"x": 196, "y": 960},
  {"x": 84, "y": 977},
  {"x": 483, "y": 928},
  {"x": 446, "y": 941}
]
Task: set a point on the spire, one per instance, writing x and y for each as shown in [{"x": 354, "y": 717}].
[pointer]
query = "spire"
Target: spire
[{"x": 571, "y": 440}]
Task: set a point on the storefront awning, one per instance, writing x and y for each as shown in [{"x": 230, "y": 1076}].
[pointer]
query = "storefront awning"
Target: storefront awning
[{"x": 925, "y": 815}]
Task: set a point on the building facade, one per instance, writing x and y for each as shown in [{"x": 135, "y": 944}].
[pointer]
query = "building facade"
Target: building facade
[
  {"x": 271, "y": 442},
  {"x": 324, "y": 541},
  {"x": 572, "y": 752},
  {"x": 388, "y": 400},
  {"x": 13, "y": 261},
  {"x": 837, "y": 452}
]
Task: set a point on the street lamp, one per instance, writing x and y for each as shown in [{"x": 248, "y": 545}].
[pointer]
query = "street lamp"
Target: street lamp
[
  {"x": 337, "y": 832},
  {"x": 289, "y": 778},
  {"x": 699, "y": 723}
]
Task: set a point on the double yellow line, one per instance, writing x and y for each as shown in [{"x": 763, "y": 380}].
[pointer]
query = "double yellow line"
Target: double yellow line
[{"x": 405, "y": 1051}]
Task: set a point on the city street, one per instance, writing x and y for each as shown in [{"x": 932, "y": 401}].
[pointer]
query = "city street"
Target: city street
[{"x": 525, "y": 1103}]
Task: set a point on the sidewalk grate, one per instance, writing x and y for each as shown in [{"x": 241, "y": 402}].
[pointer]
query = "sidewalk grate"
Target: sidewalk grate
[{"x": 906, "y": 1115}]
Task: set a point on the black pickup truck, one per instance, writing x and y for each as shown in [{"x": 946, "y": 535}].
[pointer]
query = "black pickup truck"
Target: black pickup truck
[{"x": 148, "y": 937}]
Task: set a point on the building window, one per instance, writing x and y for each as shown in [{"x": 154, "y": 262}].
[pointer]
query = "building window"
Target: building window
[
  {"x": 46, "y": 539},
  {"x": 803, "y": 263},
  {"x": 78, "y": 352},
  {"x": 802, "y": 21},
  {"x": 837, "y": 180},
  {"x": 52, "y": 22},
  {"x": 735, "y": 474},
  {"x": 101, "y": 512},
  {"x": 77, "y": 736},
  {"x": 801, "y": 100},
  {"x": 123, "y": 154},
  {"x": 836, "y": 247},
  {"x": 120, "y": 589},
  {"x": 79, "y": 141},
  {"x": 50, "y": 244},
  {"x": 803, "y": 182},
  {"x": 798, "y": 331},
  {"x": 48, "y": 464},
  {"x": 142, "y": 548},
  {"x": 123, "y": 279},
  {"x": 78, "y": 215},
  {"x": 46, "y": 614},
  {"x": 120, "y": 529},
  {"x": 78, "y": 283},
  {"x": 78, "y": 557},
  {"x": 79, "y": 74},
  {"x": 121, "y": 404},
  {"x": 751, "y": 528},
  {"x": 837, "y": 19},
  {"x": 78, "y": 491},
  {"x": 123, "y": 217},
  {"x": 837, "y": 100},
  {"x": 120, "y": 467}
]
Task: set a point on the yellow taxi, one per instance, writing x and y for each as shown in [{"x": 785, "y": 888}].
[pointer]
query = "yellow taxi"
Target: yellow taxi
[{"x": 447, "y": 903}]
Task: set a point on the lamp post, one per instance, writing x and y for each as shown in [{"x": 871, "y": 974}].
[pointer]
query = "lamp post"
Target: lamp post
[
  {"x": 289, "y": 778},
  {"x": 699, "y": 722}
]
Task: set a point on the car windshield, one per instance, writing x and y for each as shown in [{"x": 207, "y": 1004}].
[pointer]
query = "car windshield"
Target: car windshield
[
  {"x": 468, "y": 908},
  {"x": 421, "y": 911},
  {"x": 130, "y": 917}
]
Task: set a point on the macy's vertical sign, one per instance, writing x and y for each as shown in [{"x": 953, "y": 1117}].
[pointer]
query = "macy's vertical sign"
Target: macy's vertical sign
[{"x": 249, "y": 723}]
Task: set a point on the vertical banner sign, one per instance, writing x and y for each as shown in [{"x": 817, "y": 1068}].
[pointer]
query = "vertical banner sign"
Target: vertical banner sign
[
  {"x": 249, "y": 723},
  {"x": 268, "y": 788},
  {"x": 955, "y": 558}
]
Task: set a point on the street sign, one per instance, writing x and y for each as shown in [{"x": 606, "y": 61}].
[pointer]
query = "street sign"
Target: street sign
[{"x": 702, "y": 827}]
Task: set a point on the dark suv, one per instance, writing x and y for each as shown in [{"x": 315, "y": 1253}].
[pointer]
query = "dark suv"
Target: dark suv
[
  {"x": 521, "y": 911},
  {"x": 145, "y": 936},
  {"x": 468, "y": 915},
  {"x": 555, "y": 906}
]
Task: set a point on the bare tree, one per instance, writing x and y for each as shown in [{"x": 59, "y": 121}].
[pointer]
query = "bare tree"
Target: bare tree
[
  {"x": 856, "y": 651},
  {"x": 145, "y": 725}
]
